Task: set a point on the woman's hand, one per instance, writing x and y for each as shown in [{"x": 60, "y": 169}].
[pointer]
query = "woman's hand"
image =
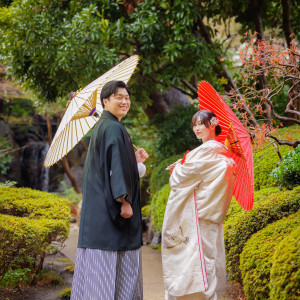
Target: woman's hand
[
  {"x": 141, "y": 155},
  {"x": 172, "y": 166}
]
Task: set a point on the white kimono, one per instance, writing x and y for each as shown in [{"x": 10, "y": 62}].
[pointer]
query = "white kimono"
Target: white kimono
[{"x": 193, "y": 253}]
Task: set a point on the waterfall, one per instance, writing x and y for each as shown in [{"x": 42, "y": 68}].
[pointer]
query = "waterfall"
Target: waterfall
[
  {"x": 45, "y": 171},
  {"x": 34, "y": 174}
]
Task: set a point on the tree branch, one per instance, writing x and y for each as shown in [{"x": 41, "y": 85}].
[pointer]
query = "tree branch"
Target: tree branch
[
  {"x": 189, "y": 86},
  {"x": 293, "y": 144},
  {"x": 280, "y": 117},
  {"x": 171, "y": 85}
]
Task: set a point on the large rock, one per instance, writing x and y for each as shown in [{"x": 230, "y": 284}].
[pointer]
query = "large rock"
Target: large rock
[{"x": 14, "y": 171}]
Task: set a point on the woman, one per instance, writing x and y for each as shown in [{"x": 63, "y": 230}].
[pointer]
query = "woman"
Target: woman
[{"x": 193, "y": 252}]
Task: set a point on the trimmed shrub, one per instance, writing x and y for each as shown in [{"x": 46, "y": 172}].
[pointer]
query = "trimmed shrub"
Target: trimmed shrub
[
  {"x": 269, "y": 206},
  {"x": 33, "y": 204},
  {"x": 285, "y": 271},
  {"x": 258, "y": 195},
  {"x": 29, "y": 222},
  {"x": 266, "y": 160},
  {"x": 158, "y": 205},
  {"x": 160, "y": 176},
  {"x": 288, "y": 173},
  {"x": 257, "y": 256}
]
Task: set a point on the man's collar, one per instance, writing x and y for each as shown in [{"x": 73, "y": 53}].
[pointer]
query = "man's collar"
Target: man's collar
[{"x": 108, "y": 115}]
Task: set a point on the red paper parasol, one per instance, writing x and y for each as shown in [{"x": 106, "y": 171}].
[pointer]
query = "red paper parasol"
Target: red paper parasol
[{"x": 236, "y": 138}]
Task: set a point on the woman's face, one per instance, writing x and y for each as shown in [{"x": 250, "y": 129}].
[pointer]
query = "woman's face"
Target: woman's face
[{"x": 202, "y": 132}]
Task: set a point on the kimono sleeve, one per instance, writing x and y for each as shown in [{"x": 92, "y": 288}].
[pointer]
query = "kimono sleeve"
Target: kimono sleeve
[
  {"x": 205, "y": 166},
  {"x": 118, "y": 164}
]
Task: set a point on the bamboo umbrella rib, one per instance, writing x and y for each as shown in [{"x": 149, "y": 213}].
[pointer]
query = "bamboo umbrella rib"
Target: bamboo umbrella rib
[
  {"x": 55, "y": 148},
  {"x": 59, "y": 153},
  {"x": 76, "y": 126},
  {"x": 208, "y": 96},
  {"x": 87, "y": 123},
  {"x": 68, "y": 139},
  {"x": 57, "y": 144},
  {"x": 82, "y": 131},
  {"x": 65, "y": 144},
  {"x": 51, "y": 155}
]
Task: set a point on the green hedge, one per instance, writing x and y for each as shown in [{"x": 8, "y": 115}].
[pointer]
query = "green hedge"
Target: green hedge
[
  {"x": 29, "y": 222},
  {"x": 266, "y": 160},
  {"x": 269, "y": 206},
  {"x": 160, "y": 176},
  {"x": 257, "y": 256},
  {"x": 25, "y": 202},
  {"x": 285, "y": 271},
  {"x": 158, "y": 205}
]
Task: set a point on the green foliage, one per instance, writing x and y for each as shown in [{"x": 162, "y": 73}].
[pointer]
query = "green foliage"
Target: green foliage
[
  {"x": 146, "y": 211},
  {"x": 58, "y": 47},
  {"x": 285, "y": 271},
  {"x": 269, "y": 206},
  {"x": 288, "y": 173},
  {"x": 16, "y": 277},
  {"x": 54, "y": 47},
  {"x": 160, "y": 176},
  {"x": 158, "y": 205},
  {"x": 19, "y": 107},
  {"x": 65, "y": 294},
  {"x": 70, "y": 193},
  {"x": 29, "y": 222},
  {"x": 7, "y": 183},
  {"x": 257, "y": 256},
  {"x": 175, "y": 133}
]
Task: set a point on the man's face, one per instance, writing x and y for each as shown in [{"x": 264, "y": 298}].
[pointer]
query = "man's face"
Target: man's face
[{"x": 118, "y": 104}]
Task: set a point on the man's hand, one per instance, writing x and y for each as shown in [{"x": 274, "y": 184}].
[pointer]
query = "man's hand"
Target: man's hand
[
  {"x": 126, "y": 209},
  {"x": 141, "y": 155}
]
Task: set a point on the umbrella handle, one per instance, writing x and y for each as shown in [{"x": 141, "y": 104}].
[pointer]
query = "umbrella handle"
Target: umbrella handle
[{"x": 135, "y": 147}]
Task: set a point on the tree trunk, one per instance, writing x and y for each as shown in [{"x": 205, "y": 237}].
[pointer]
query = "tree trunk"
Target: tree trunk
[
  {"x": 257, "y": 10},
  {"x": 286, "y": 19},
  {"x": 49, "y": 129},
  {"x": 163, "y": 103},
  {"x": 66, "y": 167}
]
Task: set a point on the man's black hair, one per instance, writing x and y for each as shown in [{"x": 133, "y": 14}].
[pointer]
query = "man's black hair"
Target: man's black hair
[{"x": 111, "y": 88}]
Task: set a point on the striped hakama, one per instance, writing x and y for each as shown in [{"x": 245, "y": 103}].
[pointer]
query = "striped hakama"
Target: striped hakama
[{"x": 107, "y": 275}]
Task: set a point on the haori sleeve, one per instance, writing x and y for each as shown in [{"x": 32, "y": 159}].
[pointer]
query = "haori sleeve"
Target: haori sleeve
[{"x": 118, "y": 164}]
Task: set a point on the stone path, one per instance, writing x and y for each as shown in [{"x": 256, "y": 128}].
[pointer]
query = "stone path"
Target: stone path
[{"x": 152, "y": 268}]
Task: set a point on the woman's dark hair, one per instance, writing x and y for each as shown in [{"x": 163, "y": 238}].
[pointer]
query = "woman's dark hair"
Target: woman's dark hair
[
  {"x": 112, "y": 87},
  {"x": 205, "y": 117}
]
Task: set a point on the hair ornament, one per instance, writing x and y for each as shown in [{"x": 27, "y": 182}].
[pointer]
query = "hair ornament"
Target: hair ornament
[{"x": 213, "y": 121}]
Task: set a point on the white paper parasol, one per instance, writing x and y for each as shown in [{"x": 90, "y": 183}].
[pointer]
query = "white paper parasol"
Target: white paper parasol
[{"x": 84, "y": 111}]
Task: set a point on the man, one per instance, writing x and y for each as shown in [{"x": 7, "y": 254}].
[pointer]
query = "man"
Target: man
[{"x": 108, "y": 263}]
